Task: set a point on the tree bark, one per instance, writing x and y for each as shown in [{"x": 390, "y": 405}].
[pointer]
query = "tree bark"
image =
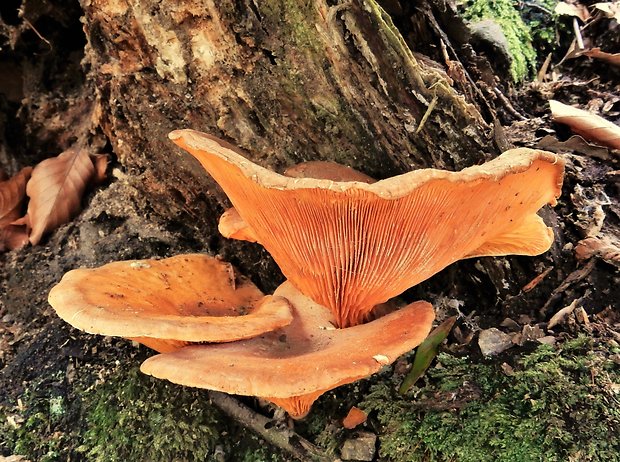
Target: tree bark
[{"x": 286, "y": 81}]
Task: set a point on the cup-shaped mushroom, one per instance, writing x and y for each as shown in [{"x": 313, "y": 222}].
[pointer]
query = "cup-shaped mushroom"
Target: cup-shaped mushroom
[
  {"x": 166, "y": 304},
  {"x": 350, "y": 245},
  {"x": 294, "y": 365}
]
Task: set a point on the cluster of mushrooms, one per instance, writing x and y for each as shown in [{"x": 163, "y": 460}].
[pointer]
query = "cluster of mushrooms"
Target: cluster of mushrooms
[{"x": 345, "y": 243}]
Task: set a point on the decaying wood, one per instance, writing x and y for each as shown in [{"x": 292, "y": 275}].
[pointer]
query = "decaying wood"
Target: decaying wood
[{"x": 286, "y": 81}]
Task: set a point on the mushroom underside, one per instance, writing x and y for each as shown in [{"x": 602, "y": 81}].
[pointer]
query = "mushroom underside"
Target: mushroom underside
[{"x": 294, "y": 365}]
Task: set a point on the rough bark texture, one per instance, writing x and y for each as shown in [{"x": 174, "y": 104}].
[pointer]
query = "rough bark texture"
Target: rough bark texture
[{"x": 287, "y": 81}]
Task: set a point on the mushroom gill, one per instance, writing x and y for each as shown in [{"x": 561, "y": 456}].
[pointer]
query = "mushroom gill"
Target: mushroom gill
[{"x": 350, "y": 245}]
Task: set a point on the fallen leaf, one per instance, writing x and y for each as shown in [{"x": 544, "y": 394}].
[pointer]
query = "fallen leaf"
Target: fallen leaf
[
  {"x": 611, "y": 58},
  {"x": 354, "y": 418},
  {"x": 425, "y": 354},
  {"x": 55, "y": 190},
  {"x": 604, "y": 247},
  {"x": 576, "y": 144},
  {"x": 569, "y": 9},
  {"x": 588, "y": 125},
  {"x": 562, "y": 315},
  {"x": 12, "y": 195},
  {"x": 611, "y": 9}
]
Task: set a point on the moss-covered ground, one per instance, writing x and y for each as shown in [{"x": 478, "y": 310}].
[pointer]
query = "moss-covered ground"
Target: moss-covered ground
[
  {"x": 530, "y": 32},
  {"x": 549, "y": 404},
  {"x": 124, "y": 416}
]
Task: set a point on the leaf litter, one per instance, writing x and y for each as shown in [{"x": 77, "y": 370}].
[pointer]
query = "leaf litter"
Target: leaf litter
[{"x": 54, "y": 187}]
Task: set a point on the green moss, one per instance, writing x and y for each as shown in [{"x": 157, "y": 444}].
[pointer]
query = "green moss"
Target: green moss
[
  {"x": 126, "y": 417},
  {"x": 293, "y": 18},
  {"x": 556, "y": 406},
  {"x": 506, "y": 15},
  {"x": 133, "y": 418},
  {"x": 545, "y": 26}
]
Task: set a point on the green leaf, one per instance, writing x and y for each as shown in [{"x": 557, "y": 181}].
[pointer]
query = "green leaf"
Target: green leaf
[{"x": 425, "y": 354}]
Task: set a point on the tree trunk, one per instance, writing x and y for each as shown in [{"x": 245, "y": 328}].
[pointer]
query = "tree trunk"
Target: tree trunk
[{"x": 286, "y": 81}]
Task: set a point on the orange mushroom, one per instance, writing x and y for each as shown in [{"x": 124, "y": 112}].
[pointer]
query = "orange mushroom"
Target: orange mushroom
[
  {"x": 352, "y": 245},
  {"x": 166, "y": 304},
  {"x": 294, "y": 365},
  {"x": 231, "y": 224},
  {"x": 323, "y": 170}
]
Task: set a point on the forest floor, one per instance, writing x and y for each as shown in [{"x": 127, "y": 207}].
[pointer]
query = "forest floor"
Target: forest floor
[{"x": 549, "y": 393}]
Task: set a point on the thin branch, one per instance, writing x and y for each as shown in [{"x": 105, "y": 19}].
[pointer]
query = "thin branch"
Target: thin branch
[{"x": 285, "y": 439}]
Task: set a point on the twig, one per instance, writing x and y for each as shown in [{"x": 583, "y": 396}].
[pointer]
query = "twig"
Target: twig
[
  {"x": 284, "y": 439},
  {"x": 508, "y": 105},
  {"x": 34, "y": 29},
  {"x": 426, "y": 115},
  {"x": 443, "y": 36},
  {"x": 571, "y": 279},
  {"x": 538, "y": 7}
]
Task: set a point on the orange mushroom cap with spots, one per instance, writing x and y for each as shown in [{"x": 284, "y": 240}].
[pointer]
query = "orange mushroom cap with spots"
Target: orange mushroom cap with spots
[
  {"x": 352, "y": 245},
  {"x": 294, "y": 365},
  {"x": 166, "y": 304}
]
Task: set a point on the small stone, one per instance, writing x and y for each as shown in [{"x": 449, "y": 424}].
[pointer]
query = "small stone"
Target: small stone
[
  {"x": 493, "y": 341},
  {"x": 531, "y": 334},
  {"x": 362, "y": 447},
  {"x": 510, "y": 324},
  {"x": 508, "y": 370},
  {"x": 547, "y": 340}
]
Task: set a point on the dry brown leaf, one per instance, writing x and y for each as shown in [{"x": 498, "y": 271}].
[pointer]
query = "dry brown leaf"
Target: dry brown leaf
[
  {"x": 605, "y": 247},
  {"x": 562, "y": 315},
  {"x": 569, "y": 9},
  {"x": 611, "y": 58},
  {"x": 586, "y": 124},
  {"x": 611, "y": 9},
  {"x": 576, "y": 144},
  {"x": 55, "y": 190},
  {"x": 12, "y": 195}
]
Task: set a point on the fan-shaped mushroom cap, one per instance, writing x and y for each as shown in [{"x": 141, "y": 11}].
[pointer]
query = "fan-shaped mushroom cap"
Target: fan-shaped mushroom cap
[
  {"x": 352, "y": 245},
  {"x": 294, "y": 365},
  {"x": 167, "y": 303}
]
